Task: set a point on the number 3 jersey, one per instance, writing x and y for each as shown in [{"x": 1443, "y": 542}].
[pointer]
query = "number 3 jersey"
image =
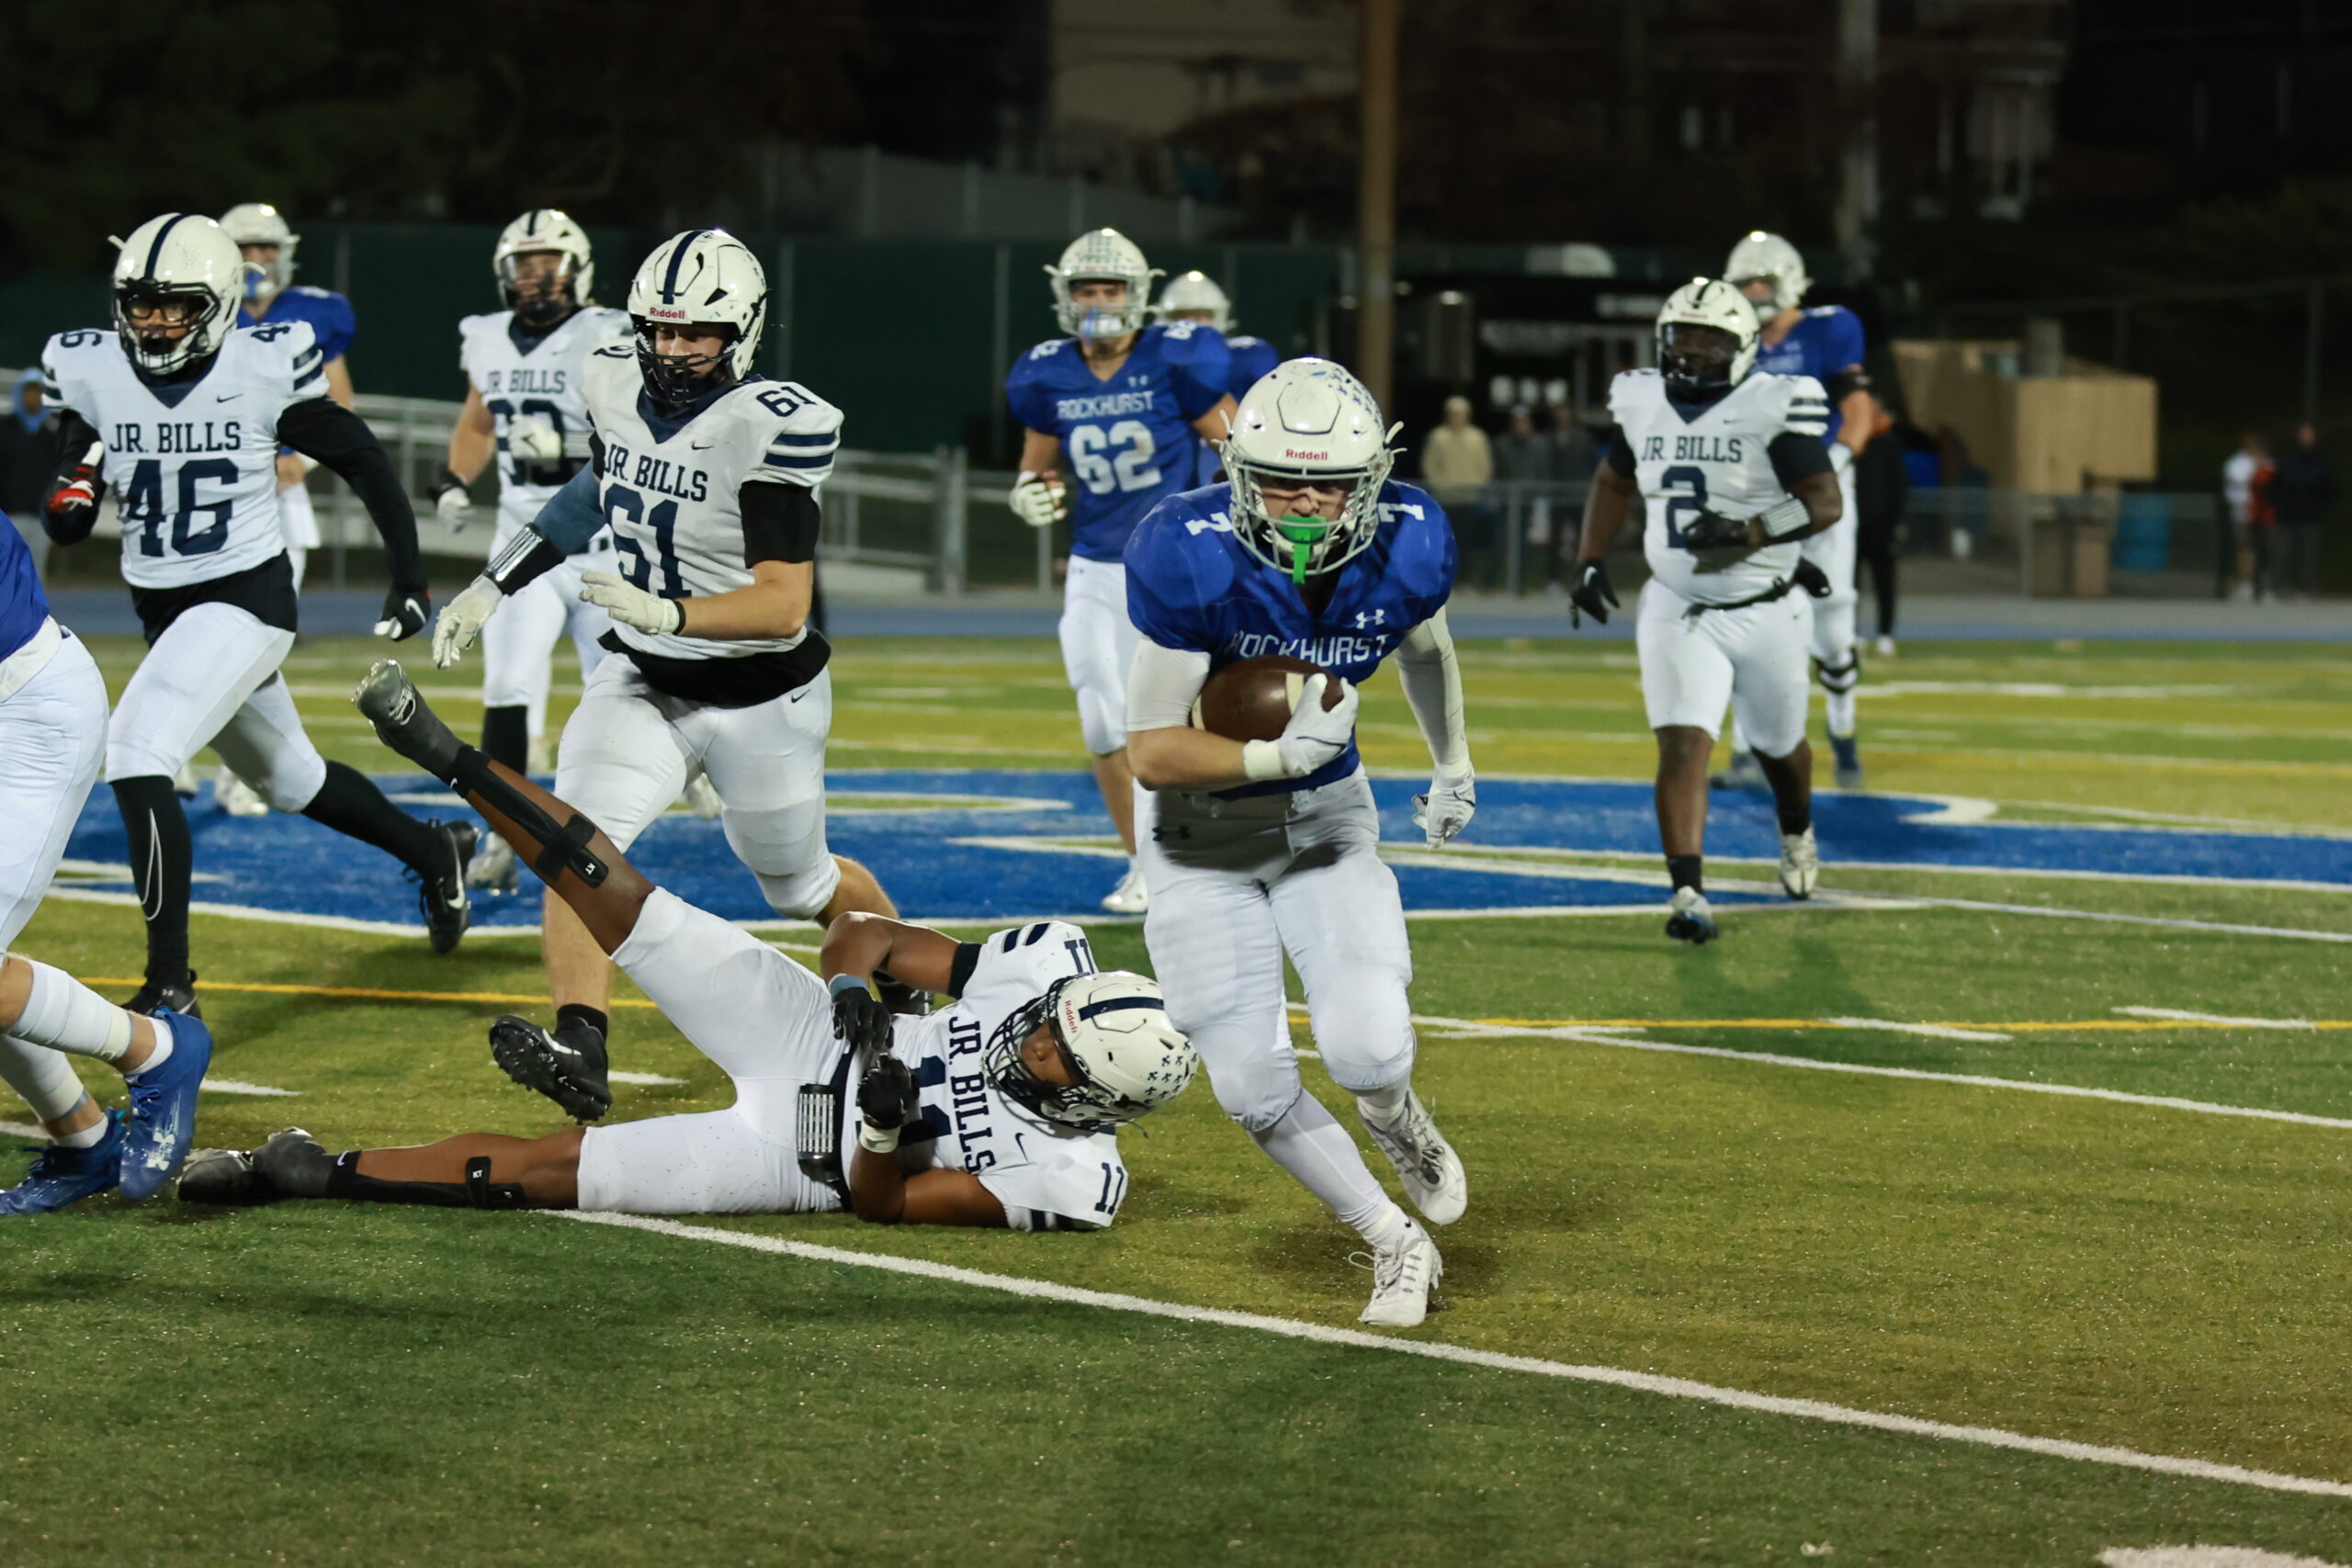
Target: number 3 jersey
[
  {"x": 516, "y": 372},
  {"x": 1047, "y": 1177},
  {"x": 1728, "y": 458},
  {"x": 193, "y": 462},
  {"x": 1129, "y": 440}
]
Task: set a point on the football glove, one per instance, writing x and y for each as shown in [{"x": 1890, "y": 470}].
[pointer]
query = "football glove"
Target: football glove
[
  {"x": 462, "y": 618},
  {"x": 861, "y": 1019},
  {"x": 1039, "y": 499},
  {"x": 1592, "y": 595},
  {"x": 1813, "y": 580},
  {"x": 1447, "y": 808},
  {"x": 407, "y": 611},
  {"x": 450, "y": 498},
  {"x": 1315, "y": 736},
  {"x": 887, "y": 1101},
  {"x": 648, "y": 612},
  {"x": 1709, "y": 531},
  {"x": 532, "y": 439},
  {"x": 73, "y": 508}
]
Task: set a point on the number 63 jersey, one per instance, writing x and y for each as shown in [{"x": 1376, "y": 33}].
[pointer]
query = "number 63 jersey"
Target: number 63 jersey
[
  {"x": 670, "y": 490},
  {"x": 1718, "y": 457},
  {"x": 1130, "y": 439},
  {"x": 193, "y": 463}
]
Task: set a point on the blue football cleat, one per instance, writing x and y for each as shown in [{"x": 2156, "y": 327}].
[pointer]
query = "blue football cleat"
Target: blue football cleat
[
  {"x": 64, "y": 1176},
  {"x": 163, "y": 1109}
]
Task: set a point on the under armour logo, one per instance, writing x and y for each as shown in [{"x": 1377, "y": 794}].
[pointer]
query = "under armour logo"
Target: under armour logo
[{"x": 1371, "y": 618}]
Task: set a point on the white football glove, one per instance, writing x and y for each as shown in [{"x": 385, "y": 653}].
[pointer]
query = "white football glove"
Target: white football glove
[
  {"x": 532, "y": 439},
  {"x": 462, "y": 618},
  {"x": 1448, "y": 806},
  {"x": 1039, "y": 499},
  {"x": 630, "y": 607},
  {"x": 1314, "y": 736}
]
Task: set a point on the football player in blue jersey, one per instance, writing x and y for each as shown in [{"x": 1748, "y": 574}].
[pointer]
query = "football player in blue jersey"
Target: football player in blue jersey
[
  {"x": 1130, "y": 405},
  {"x": 1825, "y": 343},
  {"x": 1195, "y": 297},
  {"x": 1258, "y": 849}
]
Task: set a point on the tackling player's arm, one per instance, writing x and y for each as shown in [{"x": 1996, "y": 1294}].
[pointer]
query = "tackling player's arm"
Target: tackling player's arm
[
  {"x": 325, "y": 430},
  {"x": 471, "y": 445}
]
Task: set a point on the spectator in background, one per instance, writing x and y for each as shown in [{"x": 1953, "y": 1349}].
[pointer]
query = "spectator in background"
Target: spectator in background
[
  {"x": 1523, "y": 462},
  {"x": 28, "y": 460},
  {"x": 1882, "y": 486},
  {"x": 2244, "y": 478},
  {"x": 1456, "y": 466},
  {"x": 2303, "y": 492}
]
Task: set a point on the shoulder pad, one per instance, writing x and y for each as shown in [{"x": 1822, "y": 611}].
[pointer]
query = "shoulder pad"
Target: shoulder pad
[
  {"x": 782, "y": 406},
  {"x": 1184, "y": 340},
  {"x": 76, "y": 340},
  {"x": 291, "y": 338}
]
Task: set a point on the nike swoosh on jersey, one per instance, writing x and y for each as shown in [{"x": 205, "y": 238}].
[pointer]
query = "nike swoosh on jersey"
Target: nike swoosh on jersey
[{"x": 226, "y": 397}]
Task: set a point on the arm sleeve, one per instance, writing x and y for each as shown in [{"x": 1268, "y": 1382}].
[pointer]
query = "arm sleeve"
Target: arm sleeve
[
  {"x": 959, "y": 971},
  {"x": 780, "y": 523},
  {"x": 1796, "y": 456},
  {"x": 572, "y": 514},
  {"x": 323, "y": 428},
  {"x": 1432, "y": 676},
  {"x": 1618, "y": 453},
  {"x": 1162, "y": 684},
  {"x": 74, "y": 438}
]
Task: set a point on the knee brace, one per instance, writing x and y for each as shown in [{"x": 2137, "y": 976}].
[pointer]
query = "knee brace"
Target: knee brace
[
  {"x": 562, "y": 847},
  {"x": 1839, "y": 679}
]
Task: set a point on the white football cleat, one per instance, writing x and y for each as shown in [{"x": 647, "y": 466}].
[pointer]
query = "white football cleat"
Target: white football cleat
[
  {"x": 702, "y": 796},
  {"x": 1689, "y": 918},
  {"x": 1425, "y": 1162},
  {"x": 1404, "y": 1278},
  {"x": 235, "y": 796},
  {"x": 1800, "y": 863},
  {"x": 494, "y": 868},
  {"x": 1886, "y": 647},
  {"x": 183, "y": 782},
  {"x": 1130, "y": 896}
]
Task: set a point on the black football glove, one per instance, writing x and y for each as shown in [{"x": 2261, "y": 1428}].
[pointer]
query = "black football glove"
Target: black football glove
[
  {"x": 1812, "y": 579},
  {"x": 862, "y": 1019},
  {"x": 406, "y": 611},
  {"x": 1709, "y": 532},
  {"x": 1591, "y": 595},
  {"x": 887, "y": 1099}
]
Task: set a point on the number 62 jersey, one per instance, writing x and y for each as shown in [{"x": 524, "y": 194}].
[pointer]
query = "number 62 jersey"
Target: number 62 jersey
[{"x": 1726, "y": 458}]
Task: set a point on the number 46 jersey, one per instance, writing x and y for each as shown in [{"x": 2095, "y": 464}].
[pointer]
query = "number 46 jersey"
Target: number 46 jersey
[
  {"x": 671, "y": 489},
  {"x": 1721, "y": 457},
  {"x": 193, "y": 463},
  {"x": 1130, "y": 439}
]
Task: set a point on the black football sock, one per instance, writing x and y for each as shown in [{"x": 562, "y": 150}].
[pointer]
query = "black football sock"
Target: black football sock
[
  {"x": 349, "y": 804},
  {"x": 506, "y": 736},
  {"x": 476, "y": 1192},
  {"x": 1684, "y": 870},
  {"x": 161, "y": 866},
  {"x": 594, "y": 1018},
  {"x": 1795, "y": 815}
]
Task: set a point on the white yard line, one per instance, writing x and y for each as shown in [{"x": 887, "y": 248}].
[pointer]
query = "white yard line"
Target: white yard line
[
  {"x": 2218, "y": 1018},
  {"x": 233, "y": 1086},
  {"x": 644, "y": 1078},
  {"x": 1490, "y": 1360},
  {"x": 1932, "y": 1031}
]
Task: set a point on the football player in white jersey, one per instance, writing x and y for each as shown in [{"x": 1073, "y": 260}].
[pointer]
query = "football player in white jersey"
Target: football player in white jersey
[
  {"x": 1730, "y": 463},
  {"x": 526, "y": 406},
  {"x": 706, "y": 472},
  {"x": 184, "y": 415},
  {"x": 1000, "y": 1109}
]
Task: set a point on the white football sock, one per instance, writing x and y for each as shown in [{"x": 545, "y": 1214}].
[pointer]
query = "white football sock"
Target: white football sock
[
  {"x": 43, "y": 1077},
  {"x": 1841, "y": 714},
  {"x": 159, "y": 1055},
  {"x": 66, "y": 1015},
  {"x": 88, "y": 1138},
  {"x": 1386, "y": 1105},
  {"x": 1309, "y": 1143},
  {"x": 1388, "y": 1229}
]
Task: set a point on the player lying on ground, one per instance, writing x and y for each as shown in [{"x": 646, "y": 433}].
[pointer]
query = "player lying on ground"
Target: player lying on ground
[
  {"x": 999, "y": 1110},
  {"x": 1710, "y": 442}
]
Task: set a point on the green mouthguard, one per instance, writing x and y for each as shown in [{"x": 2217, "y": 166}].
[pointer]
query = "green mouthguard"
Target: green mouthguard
[{"x": 1304, "y": 534}]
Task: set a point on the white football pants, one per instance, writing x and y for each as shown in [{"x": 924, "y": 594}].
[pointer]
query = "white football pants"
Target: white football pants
[
  {"x": 212, "y": 678},
  {"x": 1097, "y": 645},
  {"x": 1751, "y": 658}
]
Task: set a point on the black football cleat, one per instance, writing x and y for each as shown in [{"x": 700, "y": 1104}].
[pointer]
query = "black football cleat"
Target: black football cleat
[
  {"x": 225, "y": 1177},
  {"x": 566, "y": 1064},
  {"x": 177, "y": 995},
  {"x": 441, "y": 894},
  {"x": 393, "y": 704},
  {"x": 294, "y": 1164}
]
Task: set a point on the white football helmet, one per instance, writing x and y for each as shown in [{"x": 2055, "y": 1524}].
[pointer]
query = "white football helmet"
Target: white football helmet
[
  {"x": 1706, "y": 339},
  {"x": 1307, "y": 419},
  {"x": 702, "y": 277},
  {"x": 1102, "y": 253},
  {"x": 258, "y": 223},
  {"x": 180, "y": 256},
  {"x": 544, "y": 229},
  {"x": 1195, "y": 291},
  {"x": 1123, "y": 1056},
  {"x": 1769, "y": 255}
]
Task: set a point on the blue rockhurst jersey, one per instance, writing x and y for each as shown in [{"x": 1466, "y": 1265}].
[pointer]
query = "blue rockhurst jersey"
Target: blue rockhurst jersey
[
  {"x": 1192, "y": 587},
  {"x": 23, "y": 605},
  {"x": 328, "y": 312},
  {"x": 1252, "y": 357},
  {"x": 1130, "y": 439},
  {"x": 1826, "y": 340}
]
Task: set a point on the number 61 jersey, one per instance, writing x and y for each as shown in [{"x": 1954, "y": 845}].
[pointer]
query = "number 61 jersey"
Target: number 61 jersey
[
  {"x": 670, "y": 490},
  {"x": 1718, "y": 457},
  {"x": 193, "y": 463},
  {"x": 1129, "y": 440}
]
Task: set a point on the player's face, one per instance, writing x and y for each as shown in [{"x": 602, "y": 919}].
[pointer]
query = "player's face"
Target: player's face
[
  {"x": 1106, "y": 293},
  {"x": 1758, "y": 290},
  {"x": 1203, "y": 317},
  {"x": 1044, "y": 1058},
  {"x": 537, "y": 275},
  {"x": 260, "y": 255},
  {"x": 695, "y": 341},
  {"x": 167, "y": 320},
  {"x": 1294, "y": 498}
]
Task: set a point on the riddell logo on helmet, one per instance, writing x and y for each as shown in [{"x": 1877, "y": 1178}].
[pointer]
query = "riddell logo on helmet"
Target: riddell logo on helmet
[{"x": 1306, "y": 457}]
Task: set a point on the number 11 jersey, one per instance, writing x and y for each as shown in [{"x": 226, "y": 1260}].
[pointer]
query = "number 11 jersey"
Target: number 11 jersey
[{"x": 1130, "y": 439}]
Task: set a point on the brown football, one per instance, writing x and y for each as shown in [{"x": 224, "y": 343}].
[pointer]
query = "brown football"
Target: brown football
[{"x": 1253, "y": 700}]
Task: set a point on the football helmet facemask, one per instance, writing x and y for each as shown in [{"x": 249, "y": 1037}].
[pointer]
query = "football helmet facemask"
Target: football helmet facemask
[
  {"x": 1195, "y": 294},
  {"x": 1125, "y": 1058},
  {"x": 1769, "y": 257},
  {"x": 704, "y": 278},
  {"x": 1706, "y": 340},
  {"x": 542, "y": 302},
  {"x": 258, "y": 223},
  {"x": 1108, "y": 256},
  {"x": 183, "y": 259}
]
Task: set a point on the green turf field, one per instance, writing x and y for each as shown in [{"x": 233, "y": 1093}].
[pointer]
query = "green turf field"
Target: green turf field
[{"x": 325, "y": 1384}]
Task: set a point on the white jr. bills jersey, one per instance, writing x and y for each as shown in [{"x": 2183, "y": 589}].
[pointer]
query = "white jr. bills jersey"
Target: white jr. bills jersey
[
  {"x": 518, "y": 374},
  {"x": 1718, "y": 459},
  {"x": 672, "y": 494},
  {"x": 193, "y": 465},
  {"x": 1047, "y": 1177}
]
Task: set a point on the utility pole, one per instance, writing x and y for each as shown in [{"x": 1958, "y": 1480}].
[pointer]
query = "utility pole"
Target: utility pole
[
  {"x": 1376, "y": 199},
  {"x": 1858, "y": 101}
]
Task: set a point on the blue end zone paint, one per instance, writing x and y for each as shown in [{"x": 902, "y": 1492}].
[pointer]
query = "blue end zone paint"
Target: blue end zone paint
[{"x": 291, "y": 866}]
